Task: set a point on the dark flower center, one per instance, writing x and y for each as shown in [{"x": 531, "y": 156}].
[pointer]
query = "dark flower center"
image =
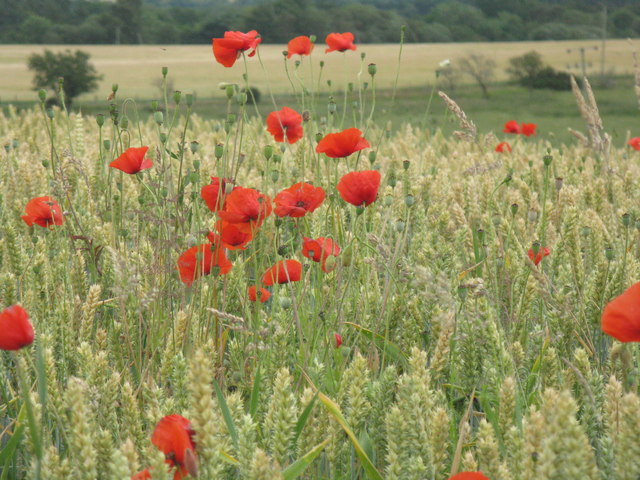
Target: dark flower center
[{"x": 300, "y": 203}]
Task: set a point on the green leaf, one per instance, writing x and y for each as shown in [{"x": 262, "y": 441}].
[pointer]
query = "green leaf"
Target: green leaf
[
  {"x": 302, "y": 420},
  {"x": 226, "y": 414},
  {"x": 334, "y": 411},
  {"x": 255, "y": 393},
  {"x": 391, "y": 349},
  {"x": 299, "y": 466}
]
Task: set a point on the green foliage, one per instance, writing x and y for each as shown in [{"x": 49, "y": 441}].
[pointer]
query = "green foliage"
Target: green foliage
[
  {"x": 530, "y": 71},
  {"x": 77, "y": 74}
]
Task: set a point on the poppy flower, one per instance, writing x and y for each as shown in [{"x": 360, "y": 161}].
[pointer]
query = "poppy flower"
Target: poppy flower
[
  {"x": 214, "y": 194},
  {"x": 298, "y": 200},
  {"x": 358, "y": 188},
  {"x": 143, "y": 475},
  {"x": 342, "y": 144},
  {"x": 338, "y": 338},
  {"x": 339, "y": 42},
  {"x": 246, "y": 207},
  {"x": 254, "y": 293},
  {"x": 319, "y": 250},
  {"x": 528, "y": 129},
  {"x": 512, "y": 127},
  {"x": 542, "y": 252},
  {"x": 469, "y": 476},
  {"x": 16, "y": 331},
  {"x": 132, "y": 160},
  {"x": 503, "y": 147},
  {"x": 285, "y": 123},
  {"x": 301, "y": 45},
  {"x": 228, "y": 49},
  {"x": 634, "y": 143},
  {"x": 200, "y": 260},
  {"x": 621, "y": 316},
  {"x": 43, "y": 211},
  {"x": 284, "y": 271},
  {"x": 173, "y": 435},
  {"x": 229, "y": 236}
]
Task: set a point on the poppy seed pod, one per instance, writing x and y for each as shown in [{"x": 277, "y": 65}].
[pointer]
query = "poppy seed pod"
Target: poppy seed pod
[
  {"x": 158, "y": 117},
  {"x": 100, "y": 119},
  {"x": 218, "y": 151},
  {"x": 267, "y": 151},
  {"x": 177, "y": 96},
  {"x": 114, "y": 87},
  {"x": 163, "y": 138},
  {"x": 165, "y": 71},
  {"x": 285, "y": 303},
  {"x": 194, "y": 146},
  {"x": 514, "y": 208},
  {"x": 409, "y": 200},
  {"x": 230, "y": 91},
  {"x": 559, "y": 183},
  {"x": 547, "y": 159},
  {"x": 626, "y": 219},
  {"x": 124, "y": 122},
  {"x": 189, "y": 99},
  {"x": 50, "y": 113},
  {"x": 608, "y": 253},
  {"x": 42, "y": 95},
  {"x": 154, "y": 105},
  {"x": 106, "y": 144},
  {"x": 372, "y": 69}
]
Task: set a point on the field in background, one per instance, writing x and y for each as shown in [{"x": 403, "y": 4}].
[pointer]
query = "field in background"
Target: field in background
[{"x": 192, "y": 68}]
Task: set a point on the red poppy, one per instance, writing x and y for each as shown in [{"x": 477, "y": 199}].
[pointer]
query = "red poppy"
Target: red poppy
[
  {"x": 358, "y": 188},
  {"x": 503, "y": 147},
  {"x": 319, "y": 250},
  {"x": 339, "y": 42},
  {"x": 298, "y": 200},
  {"x": 338, "y": 338},
  {"x": 285, "y": 123},
  {"x": 511, "y": 127},
  {"x": 143, "y": 475},
  {"x": 43, "y": 211},
  {"x": 254, "y": 293},
  {"x": 15, "y": 328},
  {"x": 542, "y": 252},
  {"x": 246, "y": 207},
  {"x": 228, "y": 49},
  {"x": 469, "y": 476},
  {"x": 132, "y": 160},
  {"x": 173, "y": 435},
  {"x": 528, "y": 129},
  {"x": 301, "y": 45},
  {"x": 621, "y": 316},
  {"x": 634, "y": 143},
  {"x": 343, "y": 144},
  {"x": 229, "y": 236},
  {"x": 214, "y": 194},
  {"x": 200, "y": 260},
  {"x": 284, "y": 271}
]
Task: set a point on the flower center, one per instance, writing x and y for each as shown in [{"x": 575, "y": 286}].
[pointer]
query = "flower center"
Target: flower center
[{"x": 300, "y": 203}]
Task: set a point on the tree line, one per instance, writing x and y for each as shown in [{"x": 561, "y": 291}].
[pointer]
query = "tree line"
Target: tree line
[{"x": 372, "y": 21}]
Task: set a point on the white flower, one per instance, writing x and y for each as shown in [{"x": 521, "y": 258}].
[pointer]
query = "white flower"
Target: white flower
[{"x": 445, "y": 63}]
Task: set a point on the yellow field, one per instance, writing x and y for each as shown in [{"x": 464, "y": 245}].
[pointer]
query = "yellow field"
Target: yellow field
[{"x": 193, "y": 68}]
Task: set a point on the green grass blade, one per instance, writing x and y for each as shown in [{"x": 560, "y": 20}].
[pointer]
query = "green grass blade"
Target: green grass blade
[
  {"x": 300, "y": 465},
  {"x": 302, "y": 420},
  {"x": 391, "y": 350},
  {"x": 255, "y": 393},
  {"x": 334, "y": 411},
  {"x": 226, "y": 414}
]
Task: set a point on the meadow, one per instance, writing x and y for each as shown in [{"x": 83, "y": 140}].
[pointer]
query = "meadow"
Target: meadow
[{"x": 435, "y": 310}]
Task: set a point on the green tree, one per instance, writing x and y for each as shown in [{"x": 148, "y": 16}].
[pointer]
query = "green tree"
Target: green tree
[
  {"x": 525, "y": 67},
  {"x": 79, "y": 75}
]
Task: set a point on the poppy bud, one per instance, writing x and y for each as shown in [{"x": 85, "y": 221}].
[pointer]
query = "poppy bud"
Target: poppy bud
[
  {"x": 231, "y": 119},
  {"x": 392, "y": 181},
  {"x": 321, "y": 63},
  {"x": 319, "y": 136},
  {"x": 406, "y": 164},
  {"x": 409, "y": 200},
  {"x": 626, "y": 219},
  {"x": 177, "y": 95},
  {"x": 165, "y": 70},
  {"x": 218, "y": 151},
  {"x": 100, "y": 119},
  {"x": 193, "y": 177},
  {"x": 372, "y": 157},
  {"x": 124, "y": 122},
  {"x": 608, "y": 253},
  {"x": 362, "y": 55},
  {"x": 242, "y": 98},
  {"x": 189, "y": 99},
  {"x": 154, "y": 105},
  {"x": 373, "y": 69},
  {"x": 114, "y": 87},
  {"x": 50, "y": 113},
  {"x": 42, "y": 95},
  {"x": 547, "y": 159},
  {"x": 106, "y": 144},
  {"x": 275, "y": 175},
  {"x": 158, "y": 117},
  {"x": 230, "y": 91},
  {"x": 388, "y": 200},
  {"x": 285, "y": 303},
  {"x": 400, "y": 226},
  {"x": 329, "y": 83},
  {"x": 141, "y": 200},
  {"x": 163, "y": 138},
  {"x": 312, "y": 38},
  {"x": 347, "y": 256},
  {"x": 228, "y": 188},
  {"x": 285, "y": 53},
  {"x": 277, "y": 222},
  {"x": 297, "y": 63},
  {"x": 338, "y": 339},
  {"x": 267, "y": 151},
  {"x": 277, "y": 158},
  {"x": 559, "y": 183},
  {"x": 359, "y": 210},
  {"x": 45, "y": 163},
  {"x": 329, "y": 263},
  {"x": 514, "y": 209},
  {"x": 194, "y": 146}
]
